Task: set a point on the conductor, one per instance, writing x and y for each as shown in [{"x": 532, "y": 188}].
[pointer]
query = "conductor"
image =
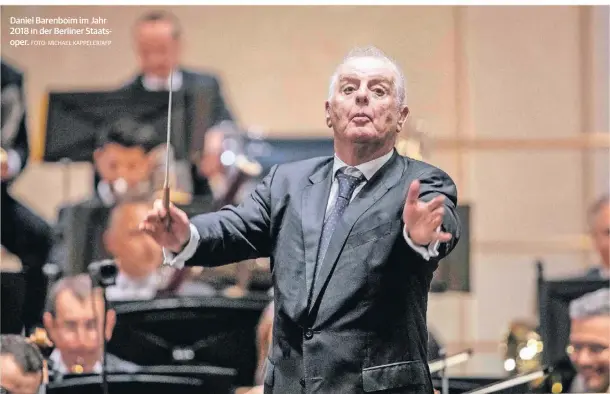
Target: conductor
[{"x": 353, "y": 241}]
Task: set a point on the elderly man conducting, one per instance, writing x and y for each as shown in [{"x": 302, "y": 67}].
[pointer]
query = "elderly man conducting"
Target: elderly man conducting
[
  {"x": 353, "y": 241},
  {"x": 589, "y": 348}
]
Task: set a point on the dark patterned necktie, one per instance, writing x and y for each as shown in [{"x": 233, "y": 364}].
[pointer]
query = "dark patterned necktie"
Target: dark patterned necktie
[{"x": 347, "y": 185}]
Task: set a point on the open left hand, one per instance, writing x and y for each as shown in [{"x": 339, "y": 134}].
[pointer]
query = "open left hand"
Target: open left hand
[{"x": 423, "y": 218}]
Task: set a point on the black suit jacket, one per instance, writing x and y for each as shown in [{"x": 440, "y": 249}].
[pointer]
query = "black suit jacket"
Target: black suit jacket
[
  {"x": 364, "y": 329},
  {"x": 13, "y": 78}
]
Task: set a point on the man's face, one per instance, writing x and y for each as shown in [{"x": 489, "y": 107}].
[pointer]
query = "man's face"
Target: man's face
[
  {"x": 76, "y": 329},
  {"x": 114, "y": 162},
  {"x": 600, "y": 232},
  {"x": 14, "y": 380},
  {"x": 157, "y": 48},
  {"x": 136, "y": 253},
  {"x": 590, "y": 354},
  {"x": 364, "y": 107}
]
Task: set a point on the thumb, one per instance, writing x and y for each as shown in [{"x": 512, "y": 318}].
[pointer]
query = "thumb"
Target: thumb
[{"x": 413, "y": 193}]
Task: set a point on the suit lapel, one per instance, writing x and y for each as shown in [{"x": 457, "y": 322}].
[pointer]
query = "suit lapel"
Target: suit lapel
[
  {"x": 375, "y": 188},
  {"x": 313, "y": 205}
]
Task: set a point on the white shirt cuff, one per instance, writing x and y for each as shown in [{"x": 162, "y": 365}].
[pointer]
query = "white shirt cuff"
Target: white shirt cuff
[
  {"x": 426, "y": 253},
  {"x": 178, "y": 261},
  {"x": 13, "y": 162}
]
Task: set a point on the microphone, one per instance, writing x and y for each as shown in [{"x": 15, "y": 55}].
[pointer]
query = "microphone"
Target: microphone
[{"x": 103, "y": 273}]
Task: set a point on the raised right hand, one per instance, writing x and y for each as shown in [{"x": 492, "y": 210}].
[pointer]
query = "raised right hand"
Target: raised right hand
[{"x": 179, "y": 232}]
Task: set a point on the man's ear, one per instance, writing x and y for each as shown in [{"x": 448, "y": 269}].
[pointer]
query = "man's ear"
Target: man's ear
[
  {"x": 402, "y": 117},
  {"x": 329, "y": 122},
  {"x": 110, "y": 323},
  {"x": 107, "y": 239}
]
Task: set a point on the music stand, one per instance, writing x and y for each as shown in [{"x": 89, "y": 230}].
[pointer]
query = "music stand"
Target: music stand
[
  {"x": 129, "y": 383},
  {"x": 554, "y": 297},
  {"x": 75, "y": 120},
  {"x": 190, "y": 331}
]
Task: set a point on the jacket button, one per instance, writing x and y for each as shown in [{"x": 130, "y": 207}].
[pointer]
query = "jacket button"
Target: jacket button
[
  {"x": 302, "y": 382},
  {"x": 308, "y": 333}
]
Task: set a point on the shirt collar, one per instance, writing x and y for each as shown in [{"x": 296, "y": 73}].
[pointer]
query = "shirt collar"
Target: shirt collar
[
  {"x": 368, "y": 169},
  {"x": 62, "y": 368},
  {"x": 153, "y": 83}
]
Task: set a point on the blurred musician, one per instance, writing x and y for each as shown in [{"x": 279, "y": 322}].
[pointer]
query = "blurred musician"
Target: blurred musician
[
  {"x": 589, "y": 347},
  {"x": 138, "y": 257},
  {"x": 158, "y": 43},
  {"x": 21, "y": 365},
  {"x": 586, "y": 368},
  {"x": 599, "y": 222},
  {"x": 128, "y": 158},
  {"x": 220, "y": 177},
  {"x": 24, "y": 233},
  {"x": 74, "y": 322}
]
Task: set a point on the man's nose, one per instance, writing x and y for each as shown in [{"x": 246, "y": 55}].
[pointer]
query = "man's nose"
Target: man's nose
[
  {"x": 362, "y": 96},
  {"x": 585, "y": 358}
]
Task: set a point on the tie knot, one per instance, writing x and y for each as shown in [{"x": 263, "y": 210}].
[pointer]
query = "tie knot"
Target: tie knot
[{"x": 349, "y": 178}]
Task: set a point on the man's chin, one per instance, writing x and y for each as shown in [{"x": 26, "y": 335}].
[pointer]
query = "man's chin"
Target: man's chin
[{"x": 596, "y": 385}]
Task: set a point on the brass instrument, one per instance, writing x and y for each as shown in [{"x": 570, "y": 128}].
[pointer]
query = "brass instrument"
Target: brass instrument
[
  {"x": 412, "y": 142},
  {"x": 522, "y": 348}
]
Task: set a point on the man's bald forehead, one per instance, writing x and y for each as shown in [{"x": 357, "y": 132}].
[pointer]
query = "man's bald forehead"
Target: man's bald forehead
[{"x": 127, "y": 210}]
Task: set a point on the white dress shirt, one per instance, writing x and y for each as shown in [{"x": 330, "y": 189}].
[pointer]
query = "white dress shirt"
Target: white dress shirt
[
  {"x": 156, "y": 84},
  {"x": 129, "y": 289},
  {"x": 62, "y": 368},
  {"x": 368, "y": 169}
]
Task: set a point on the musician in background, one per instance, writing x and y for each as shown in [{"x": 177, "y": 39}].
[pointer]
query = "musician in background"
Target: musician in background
[
  {"x": 599, "y": 224},
  {"x": 21, "y": 365},
  {"x": 219, "y": 178},
  {"x": 74, "y": 322},
  {"x": 589, "y": 348},
  {"x": 24, "y": 233},
  {"x": 158, "y": 43},
  {"x": 130, "y": 159},
  {"x": 138, "y": 257}
]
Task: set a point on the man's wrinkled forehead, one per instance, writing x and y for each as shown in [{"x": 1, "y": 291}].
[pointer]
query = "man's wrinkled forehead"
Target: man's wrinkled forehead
[{"x": 367, "y": 67}]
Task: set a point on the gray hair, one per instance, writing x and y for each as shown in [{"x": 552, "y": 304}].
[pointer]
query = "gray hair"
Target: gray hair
[
  {"x": 27, "y": 356},
  {"x": 592, "y": 304},
  {"x": 372, "y": 52},
  {"x": 79, "y": 285}
]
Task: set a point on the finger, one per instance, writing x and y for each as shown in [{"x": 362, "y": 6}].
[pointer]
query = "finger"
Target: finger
[
  {"x": 158, "y": 208},
  {"x": 438, "y": 212},
  {"x": 435, "y": 203},
  {"x": 177, "y": 214},
  {"x": 413, "y": 193},
  {"x": 442, "y": 236}
]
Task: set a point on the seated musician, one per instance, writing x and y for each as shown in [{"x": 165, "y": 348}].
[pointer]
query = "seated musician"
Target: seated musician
[
  {"x": 219, "y": 178},
  {"x": 599, "y": 224},
  {"x": 74, "y": 323},
  {"x": 127, "y": 158},
  {"x": 138, "y": 257},
  {"x": 21, "y": 365},
  {"x": 589, "y": 348}
]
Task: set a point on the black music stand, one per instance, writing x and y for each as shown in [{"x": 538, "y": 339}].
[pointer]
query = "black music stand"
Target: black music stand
[
  {"x": 75, "y": 120},
  {"x": 124, "y": 383},
  {"x": 554, "y": 297},
  {"x": 190, "y": 331}
]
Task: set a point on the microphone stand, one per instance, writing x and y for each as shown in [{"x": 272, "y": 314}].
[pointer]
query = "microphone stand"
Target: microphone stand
[
  {"x": 103, "y": 274},
  {"x": 443, "y": 373},
  {"x": 446, "y": 361}
]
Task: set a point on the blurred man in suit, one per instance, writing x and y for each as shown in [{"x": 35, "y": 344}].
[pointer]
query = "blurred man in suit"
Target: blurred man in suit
[
  {"x": 21, "y": 364},
  {"x": 74, "y": 322},
  {"x": 24, "y": 233},
  {"x": 599, "y": 225},
  {"x": 158, "y": 43},
  {"x": 353, "y": 239}
]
